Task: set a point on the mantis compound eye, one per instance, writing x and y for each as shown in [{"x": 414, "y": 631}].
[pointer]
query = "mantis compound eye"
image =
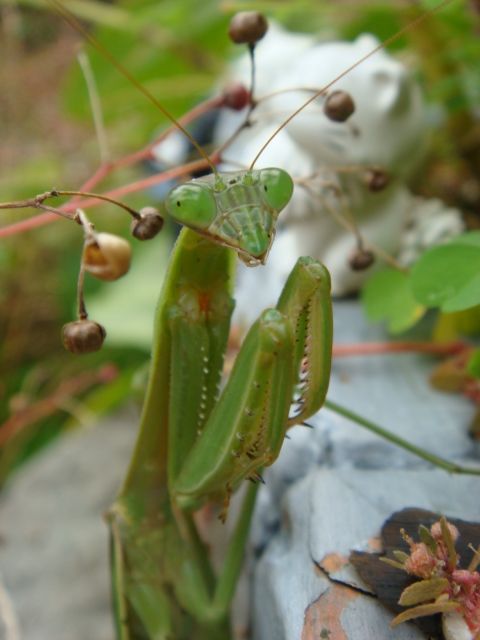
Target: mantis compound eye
[
  {"x": 277, "y": 187},
  {"x": 192, "y": 205}
]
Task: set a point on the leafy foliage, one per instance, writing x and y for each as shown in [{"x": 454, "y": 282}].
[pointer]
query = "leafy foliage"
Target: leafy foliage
[
  {"x": 388, "y": 296},
  {"x": 473, "y": 366},
  {"x": 446, "y": 276}
]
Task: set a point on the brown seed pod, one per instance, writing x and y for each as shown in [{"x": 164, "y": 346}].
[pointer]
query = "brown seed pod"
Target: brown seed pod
[
  {"x": 339, "y": 106},
  {"x": 361, "y": 260},
  {"x": 83, "y": 336},
  {"x": 148, "y": 225},
  {"x": 236, "y": 97},
  {"x": 107, "y": 256},
  {"x": 247, "y": 27},
  {"x": 376, "y": 179}
]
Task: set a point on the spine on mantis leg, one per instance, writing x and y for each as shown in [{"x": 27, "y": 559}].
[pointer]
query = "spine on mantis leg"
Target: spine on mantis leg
[
  {"x": 198, "y": 317},
  {"x": 195, "y": 304},
  {"x": 306, "y": 300},
  {"x": 285, "y": 358},
  {"x": 252, "y": 409}
]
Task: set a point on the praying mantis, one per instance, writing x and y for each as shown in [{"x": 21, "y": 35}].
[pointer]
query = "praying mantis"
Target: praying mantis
[{"x": 196, "y": 444}]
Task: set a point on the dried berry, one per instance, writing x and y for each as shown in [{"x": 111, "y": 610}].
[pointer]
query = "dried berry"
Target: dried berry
[
  {"x": 83, "y": 336},
  {"x": 376, "y": 179},
  {"x": 148, "y": 225},
  {"x": 339, "y": 106},
  {"x": 361, "y": 260},
  {"x": 236, "y": 97},
  {"x": 247, "y": 27},
  {"x": 107, "y": 256}
]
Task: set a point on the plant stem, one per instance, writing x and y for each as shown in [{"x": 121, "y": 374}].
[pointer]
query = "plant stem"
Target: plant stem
[
  {"x": 95, "y": 105},
  {"x": 139, "y": 185},
  {"x": 106, "y": 169},
  {"x": 373, "y": 348},
  {"x": 452, "y": 467}
]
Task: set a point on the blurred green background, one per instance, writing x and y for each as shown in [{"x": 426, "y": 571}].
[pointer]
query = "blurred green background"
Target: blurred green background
[{"x": 178, "y": 49}]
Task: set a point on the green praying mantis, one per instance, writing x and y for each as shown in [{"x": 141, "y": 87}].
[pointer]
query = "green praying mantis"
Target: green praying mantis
[
  {"x": 198, "y": 442},
  {"x": 196, "y": 445}
]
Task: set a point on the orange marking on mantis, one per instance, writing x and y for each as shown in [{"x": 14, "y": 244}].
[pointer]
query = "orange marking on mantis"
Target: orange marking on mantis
[{"x": 204, "y": 302}]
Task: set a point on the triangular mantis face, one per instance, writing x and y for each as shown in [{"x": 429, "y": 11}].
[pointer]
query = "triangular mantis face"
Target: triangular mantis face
[{"x": 238, "y": 210}]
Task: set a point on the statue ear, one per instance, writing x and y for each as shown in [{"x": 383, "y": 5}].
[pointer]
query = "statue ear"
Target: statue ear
[{"x": 392, "y": 90}]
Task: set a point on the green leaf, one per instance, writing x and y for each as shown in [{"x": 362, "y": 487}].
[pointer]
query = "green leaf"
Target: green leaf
[
  {"x": 449, "y": 542},
  {"x": 427, "y": 538},
  {"x": 388, "y": 296},
  {"x": 401, "y": 556},
  {"x": 91, "y": 10},
  {"x": 449, "y": 276},
  {"x": 393, "y": 563},
  {"x": 473, "y": 365},
  {"x": 422, "y": 591},
  {"x": 471, "y": 238},
  {"x": 425, "y": 610}
]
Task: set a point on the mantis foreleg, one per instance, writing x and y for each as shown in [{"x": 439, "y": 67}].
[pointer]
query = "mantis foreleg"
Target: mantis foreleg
[
  {"x": 195, "y": 303},
  {"x": 285, "y": 357}
]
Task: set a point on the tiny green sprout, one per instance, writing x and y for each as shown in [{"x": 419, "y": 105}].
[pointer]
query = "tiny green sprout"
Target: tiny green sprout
[{"x": 442, "y": 587}]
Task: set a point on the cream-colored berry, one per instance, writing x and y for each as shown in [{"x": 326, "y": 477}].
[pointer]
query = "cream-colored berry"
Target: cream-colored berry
[{"x": 107, "y": 256}]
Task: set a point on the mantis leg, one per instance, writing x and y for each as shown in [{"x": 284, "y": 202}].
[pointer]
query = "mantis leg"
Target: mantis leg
[
  {"x": 306, "y": 301},
  {"x": 279, "y": 359},
  {"x": 212, "y": 607},
  {"x": 158, "y": 578},
  {"x": 194, "y": 311},
  {"x": 196, "y": 293},
  {"x": 194, "y": 447},
  {"x": 284, "y": 358}
]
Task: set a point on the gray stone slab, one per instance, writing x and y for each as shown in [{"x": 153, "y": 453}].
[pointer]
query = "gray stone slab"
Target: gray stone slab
[
  {"x": 54, "y": 550},
  {"x": 362, "y": 481},
  {"x": 304, "y": 577},
  {"x": 394, "y": 391},
  {"x": 53, "y": 558}
]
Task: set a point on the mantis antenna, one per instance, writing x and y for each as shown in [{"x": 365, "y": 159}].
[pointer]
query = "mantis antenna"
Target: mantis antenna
[
  {"x": 76, "y": 25},
  {"x": 385, "y": 43}
]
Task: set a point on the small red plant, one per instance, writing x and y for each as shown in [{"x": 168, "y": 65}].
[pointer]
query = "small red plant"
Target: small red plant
[{"x": 443, "y": 587}]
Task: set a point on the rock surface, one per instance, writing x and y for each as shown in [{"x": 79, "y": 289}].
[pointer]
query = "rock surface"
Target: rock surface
[
  {"x": 54, "y": 543},
  {"x": 304, "y": 585},
  {"x": 53, "y": 551}
]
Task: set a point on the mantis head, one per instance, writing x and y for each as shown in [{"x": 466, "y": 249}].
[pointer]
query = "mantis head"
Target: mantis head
[{"x": 236, "y": 209}]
